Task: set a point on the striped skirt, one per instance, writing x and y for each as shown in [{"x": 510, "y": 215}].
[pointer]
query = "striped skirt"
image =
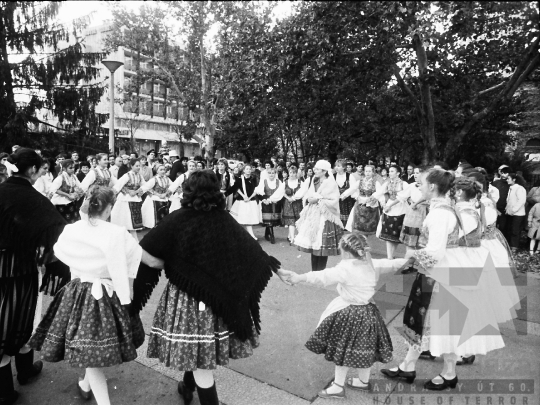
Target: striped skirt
[
  {"x": 187, "y": 337},
  {"x": 18, "y": 298}
]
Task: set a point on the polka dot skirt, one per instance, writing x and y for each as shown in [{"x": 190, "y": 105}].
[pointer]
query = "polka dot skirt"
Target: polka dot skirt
[
  {"x": 85, "y": 331},
  {"x": 353, "y": 337}
]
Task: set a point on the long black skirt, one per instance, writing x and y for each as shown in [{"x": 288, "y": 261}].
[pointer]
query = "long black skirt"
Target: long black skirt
[
  {"x": 18, "y": 298},
  {"x": 70, "y": 212}
]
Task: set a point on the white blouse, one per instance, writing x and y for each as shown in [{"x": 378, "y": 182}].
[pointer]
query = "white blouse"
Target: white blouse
[
  {"x": 276, "y": 185},
  {"x": 299, "y": 194},
  {"x": 57, "y": 183},
  {"x": 121, "y": 183},
  {"x": 104, "y": 254},
  {"x": 90, "y": 179},
  {"x": 43, "y": 184}
]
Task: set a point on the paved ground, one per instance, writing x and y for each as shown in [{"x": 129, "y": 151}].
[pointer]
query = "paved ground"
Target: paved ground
[{"x": 282, "y": 371}]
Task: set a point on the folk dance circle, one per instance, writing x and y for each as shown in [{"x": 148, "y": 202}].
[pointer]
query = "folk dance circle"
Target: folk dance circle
[{"x": 83, "y": 233}]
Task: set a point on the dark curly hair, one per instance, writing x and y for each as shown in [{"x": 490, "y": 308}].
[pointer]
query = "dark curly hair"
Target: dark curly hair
[{"x": 201, "y": 191}]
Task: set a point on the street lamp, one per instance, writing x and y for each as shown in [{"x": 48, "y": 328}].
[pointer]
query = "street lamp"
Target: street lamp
[{"x": 112, "y": 65}]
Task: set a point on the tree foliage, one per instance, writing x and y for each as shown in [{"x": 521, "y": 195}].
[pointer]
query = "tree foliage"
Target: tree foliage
[{"x": 51, "y": 72}]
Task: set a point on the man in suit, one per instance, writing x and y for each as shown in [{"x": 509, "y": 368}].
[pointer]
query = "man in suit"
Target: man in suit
[
  {"x": 408, "y": 177},
  {"x": 177, "y": 166}
]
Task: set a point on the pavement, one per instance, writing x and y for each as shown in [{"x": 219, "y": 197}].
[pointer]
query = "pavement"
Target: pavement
[{"x": 283, "y": 371}]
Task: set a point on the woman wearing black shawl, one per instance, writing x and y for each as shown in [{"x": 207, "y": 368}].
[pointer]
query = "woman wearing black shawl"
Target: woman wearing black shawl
[
  {"x": 209, "y": 311},
  {"x": 30, "y": 225}
]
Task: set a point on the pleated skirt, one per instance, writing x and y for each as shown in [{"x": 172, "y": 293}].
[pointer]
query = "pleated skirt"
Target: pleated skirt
[
  {"x": 87, "y": 332},
  {"x": 153, "y": 211},
  {"x": 355, "y": 336},
  {"x": 127, "y": 214},
  {"x": 291, "y": 212},
  {"x": 185, "y": 336},
  {"x": 70, "y": 212},
  {"x": 18, "y": 298}
]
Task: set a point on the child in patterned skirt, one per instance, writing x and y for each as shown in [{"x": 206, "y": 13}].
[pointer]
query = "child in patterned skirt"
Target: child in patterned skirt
[
  {"x": 351, "y": 331},
  {"x": 88, "y": 323}
]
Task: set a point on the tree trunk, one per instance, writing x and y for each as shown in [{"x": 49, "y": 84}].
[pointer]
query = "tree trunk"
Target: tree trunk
[
  {"x": 209, "y": 129},
  {"x": 530, "y": 62}
]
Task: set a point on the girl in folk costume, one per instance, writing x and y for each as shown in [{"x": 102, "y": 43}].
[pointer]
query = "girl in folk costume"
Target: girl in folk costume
[
  {"x": 30, "y": 226},
  {"x": 351, "y": 331},
  {"x": 176, "y": 186},
  {"x": 450, "y": 263},
  {"x": 292, "y": 201},
  {"x": 272, "y": 191},
  {"x": 246, "y": 209},
  {"x": 366, "y": 213},
  {"x": 67, "y": 191},
  {"x": 44, "y": 182},
  {"x": 99, "y": 175},
  {"x": 345, "y": 182},
  {"x": 394, "y": 211},
  {"x": 209, "y": 310},
  {"x": 156, "y": 206},
  {"x": 226, "y": 180},
  {"x": 319, "y": 226},
  {"x": 127, "y": 210},
  {"x": 88, "y": 323},
  {"x": 416, "y": 211}
]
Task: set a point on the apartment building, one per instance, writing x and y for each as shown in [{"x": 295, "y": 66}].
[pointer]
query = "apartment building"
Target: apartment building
[{"x": 147, "y": 115}]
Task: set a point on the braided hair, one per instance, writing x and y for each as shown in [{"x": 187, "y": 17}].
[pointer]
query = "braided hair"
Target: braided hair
[
  {"x": 357, "y": 245},
  {"x": 443, "y": 180},
  {"x": 471, "y": 188}
]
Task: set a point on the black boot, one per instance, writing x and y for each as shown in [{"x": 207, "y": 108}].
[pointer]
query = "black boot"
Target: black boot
[
  {"x": 208, "y": 396},
  {"x": 187, "y": 387},
  {"x": 26, "y": 368},
  {"x": 267, "y": 233},
  {"x": 272, "y": 238},
  {"x": 8, "y": 395}
]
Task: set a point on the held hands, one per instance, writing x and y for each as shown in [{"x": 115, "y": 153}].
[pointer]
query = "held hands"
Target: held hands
[
  {"x": 284, "y": 275},
  {"x": 313, "y": 200}
]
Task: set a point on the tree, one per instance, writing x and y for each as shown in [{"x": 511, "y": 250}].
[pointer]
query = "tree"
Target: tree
[
  {"x": 464, "y": 63},
  {"x": 51, "y": 71}
]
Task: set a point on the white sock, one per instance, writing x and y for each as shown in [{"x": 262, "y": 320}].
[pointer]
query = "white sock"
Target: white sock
[
  {"x": 363, "y": 374},
  {"x": 5, "y": 360},
  {"x": 203, "y": 378},
  {"x": 449, "y": 370},
  {"x": 409, "y": 363},
  {"x": 339, "y": 378},
  {"x": 98, "y": 384},
  {"x": 25, "y": 349},
  {"x": 85, "y": 383},
  {"x": 249, "y": 228}
]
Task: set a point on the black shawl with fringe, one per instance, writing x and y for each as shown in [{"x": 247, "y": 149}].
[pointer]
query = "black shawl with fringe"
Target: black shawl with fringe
[
  {"x": 29, "y": 227},
  {"x": 212, "y": 258}
]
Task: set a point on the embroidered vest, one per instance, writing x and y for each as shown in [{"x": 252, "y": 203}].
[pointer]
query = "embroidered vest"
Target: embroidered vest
[
  {"x": 269, "y": 191},
  {"x": 68, "y": 183},
  {"x": 393, "y": 188},
  {"x": 102, "y": 180},
  {"x": 162, "y": 185},
  {"x": 453, "y": 237},
  {"x": 474, "y": 238},
  {"x": 225, "y": 180},
  {"x": 367, "y": 187},
  {"x": 135, "y": 180},
  {"x": 346, "y": 185},
  {"x": 289, "y": 191}
]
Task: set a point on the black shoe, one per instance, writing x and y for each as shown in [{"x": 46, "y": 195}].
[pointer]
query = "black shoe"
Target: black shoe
[
  {"x": 408, "y": 270},
  {"x": 84, "y": 394},
  {"x": 466, "y": 360},
  {"x": 267, "y": 233},
  {"x": 8, "y": 395},
  {"x": 430, "y": 385},
  {"x": 26, "y": 368},
  {"x": 272, "y": 238},
  {"x": 427, "y": 355},
  {"x": 409, "y": 376},
  {"x": 185, "y": 392},
  {"x": 208, "y": 396}
]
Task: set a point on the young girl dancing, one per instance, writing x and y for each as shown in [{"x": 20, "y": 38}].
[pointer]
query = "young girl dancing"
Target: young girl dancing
[
  {"x": 351, "y": 331},
  {"x": 88, "y": 323}
]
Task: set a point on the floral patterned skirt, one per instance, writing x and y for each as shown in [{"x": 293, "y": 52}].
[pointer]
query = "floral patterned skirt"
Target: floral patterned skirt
[
  {"x": 70, "y": 211},
  {"x": 345, "y": 208},
  {"x": 355, "y": 336},
  {"x": 391, "y": 227},
  {"x": 365, "y": 219},
  {"x": 414, "y": 316},
  {"x": 271, "y": 214},
  {"x": 291, "y": 212},
  {"x": 186, "y": 336},
  {"x": 87, "y": 332}
]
